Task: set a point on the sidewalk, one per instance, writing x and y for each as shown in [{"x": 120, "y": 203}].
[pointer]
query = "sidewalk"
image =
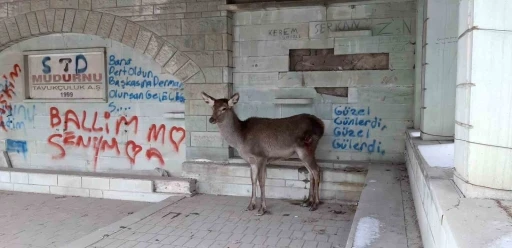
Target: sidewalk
[
  {"x": 219, "y": 221},
  {"x": 42, "y": 220}
]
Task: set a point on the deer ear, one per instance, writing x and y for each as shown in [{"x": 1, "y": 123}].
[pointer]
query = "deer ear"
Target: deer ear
[
  {"x": 233, "y": 100},
  {"x": 208, "y": 99}
]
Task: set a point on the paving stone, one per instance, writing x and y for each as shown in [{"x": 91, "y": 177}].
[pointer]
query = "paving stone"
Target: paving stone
[
  {"x": 64, "y": 4},
  {"x": 142, "y": 40},
  {"x": 50, "y": 19},
  {"x": 93, "y": 22},
  {"x": 80, "y": 21},
  {"x": 34, "y": 216},
  {"x": 118, "y": 28},
  {"x": 12, "y": 28},
  {"x": 23, "y": 26},
  {"x": 39, "y": 5},
  {"x": 105, "y": 26},
  {"x": 41, "y": 21},
  {"x": 69, "y": 16},
  {"x": 85, "y": 4},
  {"x": 130, "y": 34},
  {"x": 18, "y": 8}
]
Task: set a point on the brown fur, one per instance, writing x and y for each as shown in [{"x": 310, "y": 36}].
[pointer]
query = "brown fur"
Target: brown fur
[{"x": 263, "y": 140}]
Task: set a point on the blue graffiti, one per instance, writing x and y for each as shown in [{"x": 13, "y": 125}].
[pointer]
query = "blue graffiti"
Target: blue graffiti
[
  {"x": 17, "y": 146},
  {"x": 155, "y": 82},
  {"x": 77, "y": 59},
  {"x": 46, "y": 68},
  {"x": 16, "y": 116},
  {"x": 338, "y": 111},
  {"x": 349, "y": 144},
  {"x": 113, "y": 108},
  {"x": 119, "y": 62},
  {"x": 353, "y": 130},
  {"x": 80, "y": 57},
  {"x": 173, "y": 96}
]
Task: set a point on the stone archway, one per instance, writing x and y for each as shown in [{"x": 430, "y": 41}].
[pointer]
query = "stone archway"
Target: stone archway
[{"x": 55, "y": 21}]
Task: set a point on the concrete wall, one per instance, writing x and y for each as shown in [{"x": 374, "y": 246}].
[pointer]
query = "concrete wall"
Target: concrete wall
[
  {"x": 41, "y": 126},
  {"x": 184, "y": 41},
  {"x": 205, "y": 49},
  {"x": 262, "y": 40}
]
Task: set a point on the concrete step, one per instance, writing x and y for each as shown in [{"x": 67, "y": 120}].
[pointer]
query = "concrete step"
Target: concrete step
[
  {"x": 98, "y": 185},
  {"x": 283, "y": 181},
  {"x": 380, "y": 220}
]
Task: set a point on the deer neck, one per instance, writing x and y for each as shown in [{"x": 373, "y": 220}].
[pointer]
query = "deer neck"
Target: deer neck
[{"x": 231, "y": 129}]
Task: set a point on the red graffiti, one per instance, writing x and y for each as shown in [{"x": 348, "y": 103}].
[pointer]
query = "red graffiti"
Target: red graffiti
[
  {"x": 96, "y": 130},
  {"x": 177, "y": 144},
  {"x": 155, "y": 133},
  {"x": 153, "y": 152},
  {"x": 7, "y": 92},
  {"x": 131, "y": 150}
]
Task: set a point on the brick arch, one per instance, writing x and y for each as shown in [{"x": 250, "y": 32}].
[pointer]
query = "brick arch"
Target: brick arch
[{"x": 58, "y": 21}]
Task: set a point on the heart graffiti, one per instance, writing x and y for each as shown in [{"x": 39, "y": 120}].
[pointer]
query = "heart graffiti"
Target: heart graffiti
[
  {"x": 132, "y": 149},
  {"x": 178, "y": 130}
]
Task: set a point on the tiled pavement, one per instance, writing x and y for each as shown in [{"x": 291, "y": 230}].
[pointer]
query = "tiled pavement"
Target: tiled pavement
[
  {"x": 42, "y": 220},
  {"x": 219, "y": 221}
]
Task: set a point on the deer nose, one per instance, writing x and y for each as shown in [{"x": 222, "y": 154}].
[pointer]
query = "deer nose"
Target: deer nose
[{"x": 212, "y": 120}]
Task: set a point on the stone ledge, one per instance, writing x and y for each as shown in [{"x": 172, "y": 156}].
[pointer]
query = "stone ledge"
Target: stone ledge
[
  {"x": 274, "y": 5},
  {"x": 97, "y": 185},
  {"x": 445, "y": 215},
  {"x": 283, "y": 181}
]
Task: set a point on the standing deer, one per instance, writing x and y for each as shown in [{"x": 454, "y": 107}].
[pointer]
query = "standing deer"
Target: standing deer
[{"x": 263, "y": 140}]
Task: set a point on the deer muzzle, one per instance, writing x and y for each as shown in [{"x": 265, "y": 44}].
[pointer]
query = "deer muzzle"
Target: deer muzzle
[{"x": 212, "y": 120}]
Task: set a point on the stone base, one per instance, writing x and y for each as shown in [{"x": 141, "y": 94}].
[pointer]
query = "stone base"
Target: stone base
[
  {"x": 283, "y": 182},
  {"x": 475, "y": 191},
  {"x": 97, "y": 185}
]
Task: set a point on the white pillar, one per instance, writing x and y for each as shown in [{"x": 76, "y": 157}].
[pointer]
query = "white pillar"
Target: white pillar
[
  {"x": 439, "y": 69},
  {"x": 483, "y": 129}
]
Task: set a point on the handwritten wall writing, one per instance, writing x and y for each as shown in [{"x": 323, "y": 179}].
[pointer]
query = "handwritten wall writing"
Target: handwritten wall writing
[
  {"x": 285, "y": 33},
  {"x": 355, "y": 130},
  {"x": 17, "y": 146},
  {"x": 113, "y": 108},
  {"x": 100, "y": 131},
  {"x": 8, "y": 87},
  {"x": 17, "y": 116},
  {"x": 129, "y": 81},
  {"x": 395, "y": 26}
]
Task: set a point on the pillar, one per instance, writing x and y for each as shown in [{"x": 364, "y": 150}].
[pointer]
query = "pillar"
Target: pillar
[
  {"x": 439, "y": 69},
  {"x": 483, "y": 128}
]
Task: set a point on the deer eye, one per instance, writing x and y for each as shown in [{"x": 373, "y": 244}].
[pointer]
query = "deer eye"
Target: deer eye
[{"x": 223, "y": 109}]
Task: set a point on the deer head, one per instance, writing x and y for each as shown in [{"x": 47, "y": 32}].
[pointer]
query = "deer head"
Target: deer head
[{"x": 221, "y": 107}]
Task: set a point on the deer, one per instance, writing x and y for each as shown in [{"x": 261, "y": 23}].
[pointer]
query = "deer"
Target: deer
[{"x": 260, "y": 141}]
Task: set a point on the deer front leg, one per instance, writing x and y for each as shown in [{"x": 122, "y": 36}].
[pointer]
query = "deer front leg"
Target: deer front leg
[
  {"x": 254, "y": 176},
  {"x": 261, "y": 178}
]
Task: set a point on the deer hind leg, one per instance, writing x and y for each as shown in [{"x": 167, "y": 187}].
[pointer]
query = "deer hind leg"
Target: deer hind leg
[
  {"x": 254, "y": 176},
  {"x": 307, "y": 202},
  {"x": 307, "y": 155},
  {"x": 261, "y": 178}
]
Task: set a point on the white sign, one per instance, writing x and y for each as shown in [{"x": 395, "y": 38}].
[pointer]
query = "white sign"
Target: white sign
[{"x": 75, "y": 75}]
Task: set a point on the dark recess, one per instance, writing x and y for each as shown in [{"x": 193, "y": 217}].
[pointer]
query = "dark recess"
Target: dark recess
[{"x": 325, "y": 60}]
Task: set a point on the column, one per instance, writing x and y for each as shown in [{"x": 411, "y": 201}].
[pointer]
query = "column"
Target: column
[
  {"x": 483, "y": 129},
  {"x": 439, "y": 69}
]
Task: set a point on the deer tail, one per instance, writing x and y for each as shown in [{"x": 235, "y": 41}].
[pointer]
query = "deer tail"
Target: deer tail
[{"x": 318, "y": 126}]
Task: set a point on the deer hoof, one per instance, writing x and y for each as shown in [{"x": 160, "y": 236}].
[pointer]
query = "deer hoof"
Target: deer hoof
[
  {"x": 306, "y": 204},
  {"x": 250, "y": 207},
  {"x": 313, "y": 207},
  {"x": 261, "y": 211}
]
